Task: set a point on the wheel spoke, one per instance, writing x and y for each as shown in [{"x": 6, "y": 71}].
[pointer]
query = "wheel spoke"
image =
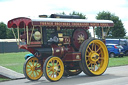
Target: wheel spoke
[
  {"x": 32, "y": 63},
  {"x": 99, "y": 53},
  {"x": 91, "y": 66},
  {"x": 87, "y": 51},
  {"x": 28, "y": 67},
  {"x": 98, "y": 49},
  {"x": 90, "y": 49},
  {"x": 95, "y": 47},
  {"x": 53, "y": 62},
  {"x": 51, "y": 74},
  {"x": 36, "y": 73},
  {"x": 57, "y": 65},
  {"x": 92, "y": 45},
  {"x": 49, "y": 65},
  {"x": 101, "y": 58},
  {"x": 29, "y": 71},
  {"x": 87, "y": 56},
  {"x": 38, "y": 65},
  {"x": 99, "y": 62},
  {"x": 49, "y": 71},
  {"x": 88, "y": 65},
  {"x": 94, "y": 67},
  {"x": 49, "y": 68},
  {"x": 29, "y": 64},
  {"x": 32, "y": 73},
  {"x": 56, "y": 74}
]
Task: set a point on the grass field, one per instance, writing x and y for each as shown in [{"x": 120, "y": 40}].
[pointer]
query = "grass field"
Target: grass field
[
  {"x": 15, "y": 61},
  {"x": 118, "y": 61}
]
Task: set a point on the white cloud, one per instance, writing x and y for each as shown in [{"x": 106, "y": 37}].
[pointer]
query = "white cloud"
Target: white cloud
[{"x": 24, "y": 8}]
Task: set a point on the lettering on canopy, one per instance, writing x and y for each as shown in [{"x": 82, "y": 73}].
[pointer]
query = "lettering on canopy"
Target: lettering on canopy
[
  {"x": 104, "y": 25},
  {"x": 94, "y": 24},
  {"x": 73, "y": 24}
]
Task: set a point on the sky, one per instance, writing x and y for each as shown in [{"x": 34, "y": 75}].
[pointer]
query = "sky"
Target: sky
[{"x": 10, "y": 9}]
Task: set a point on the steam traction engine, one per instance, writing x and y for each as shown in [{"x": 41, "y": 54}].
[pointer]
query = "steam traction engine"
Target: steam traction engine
[{"x": 60, "y": 46}]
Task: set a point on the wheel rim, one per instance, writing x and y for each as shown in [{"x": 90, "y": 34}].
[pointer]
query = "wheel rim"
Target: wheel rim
[
  {"x": 54, "y": 68},
  {"x": 96, "y": 57},
  {"x": 33, "y": 69}
]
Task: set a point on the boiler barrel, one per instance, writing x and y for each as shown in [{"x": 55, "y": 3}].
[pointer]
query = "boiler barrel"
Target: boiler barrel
[{"x": 46, "y": 51}]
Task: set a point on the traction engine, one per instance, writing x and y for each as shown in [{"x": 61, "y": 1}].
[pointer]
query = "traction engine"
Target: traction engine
[{"x": 60, "y": 47}]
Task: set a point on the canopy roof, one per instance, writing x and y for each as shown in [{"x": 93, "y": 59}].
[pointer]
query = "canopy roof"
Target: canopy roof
[{"x": 22, "y": 22}]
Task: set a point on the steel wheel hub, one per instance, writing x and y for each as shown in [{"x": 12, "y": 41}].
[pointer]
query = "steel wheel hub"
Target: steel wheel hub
[
  {"x": 94, "y": 57},
  {"x": 32, "y": 68},
  {"x": 55, "y": 68}
]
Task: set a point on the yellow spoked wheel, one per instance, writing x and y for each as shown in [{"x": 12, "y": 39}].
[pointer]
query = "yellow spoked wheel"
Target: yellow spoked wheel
[
  {"x": 53, "y": 68},
  {"x": 32, "y": 69},
  {"x": 94, "y": 57}
]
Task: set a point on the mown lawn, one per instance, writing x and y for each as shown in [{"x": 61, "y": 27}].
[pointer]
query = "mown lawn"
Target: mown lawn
[
  {"x": 118, "y": 61},
  {"x": 15, "y": 61}
]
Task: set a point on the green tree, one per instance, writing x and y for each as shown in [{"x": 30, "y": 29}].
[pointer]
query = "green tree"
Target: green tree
[
  {"x": 9, "y": 34},
  {"x": 82, "y": 16},
  {"x": 117, "y": 31},
  {"x": 3, "y": 29}
]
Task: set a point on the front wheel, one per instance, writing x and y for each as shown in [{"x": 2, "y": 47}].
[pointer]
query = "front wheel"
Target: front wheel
[
  {"x": 53, "y": 68},
  {"x": 32, "y": 69},
  {"x": 94, "y": 57}
]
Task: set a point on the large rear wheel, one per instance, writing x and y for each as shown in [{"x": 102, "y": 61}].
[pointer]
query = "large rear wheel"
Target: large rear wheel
[
  {"x": 32, "y": 69},
  {"x": 53, "y": 68},
  {"x": 94, "y": 57}
]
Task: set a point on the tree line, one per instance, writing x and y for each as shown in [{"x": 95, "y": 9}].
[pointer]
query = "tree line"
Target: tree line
[
  {"x": 118, "y": 31},
  {"x": 5, "y": 33}
]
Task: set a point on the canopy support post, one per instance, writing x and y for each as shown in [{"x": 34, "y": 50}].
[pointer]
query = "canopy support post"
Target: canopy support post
[
  {"x": 102, "y": 33},
  {"x": 27, "y": 35},
  {"x": 18, "y": 35},
  {"x": 107, "y": 31},
  {"x": 31, "y": 34},
  {"x": 41, "y": 35},
  {"x": 94, "y": 31},
  {"x": 14, "y": 34}
]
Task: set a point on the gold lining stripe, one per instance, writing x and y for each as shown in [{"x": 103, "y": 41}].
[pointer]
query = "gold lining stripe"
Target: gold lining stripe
[{"x": 73, "y": 60}]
